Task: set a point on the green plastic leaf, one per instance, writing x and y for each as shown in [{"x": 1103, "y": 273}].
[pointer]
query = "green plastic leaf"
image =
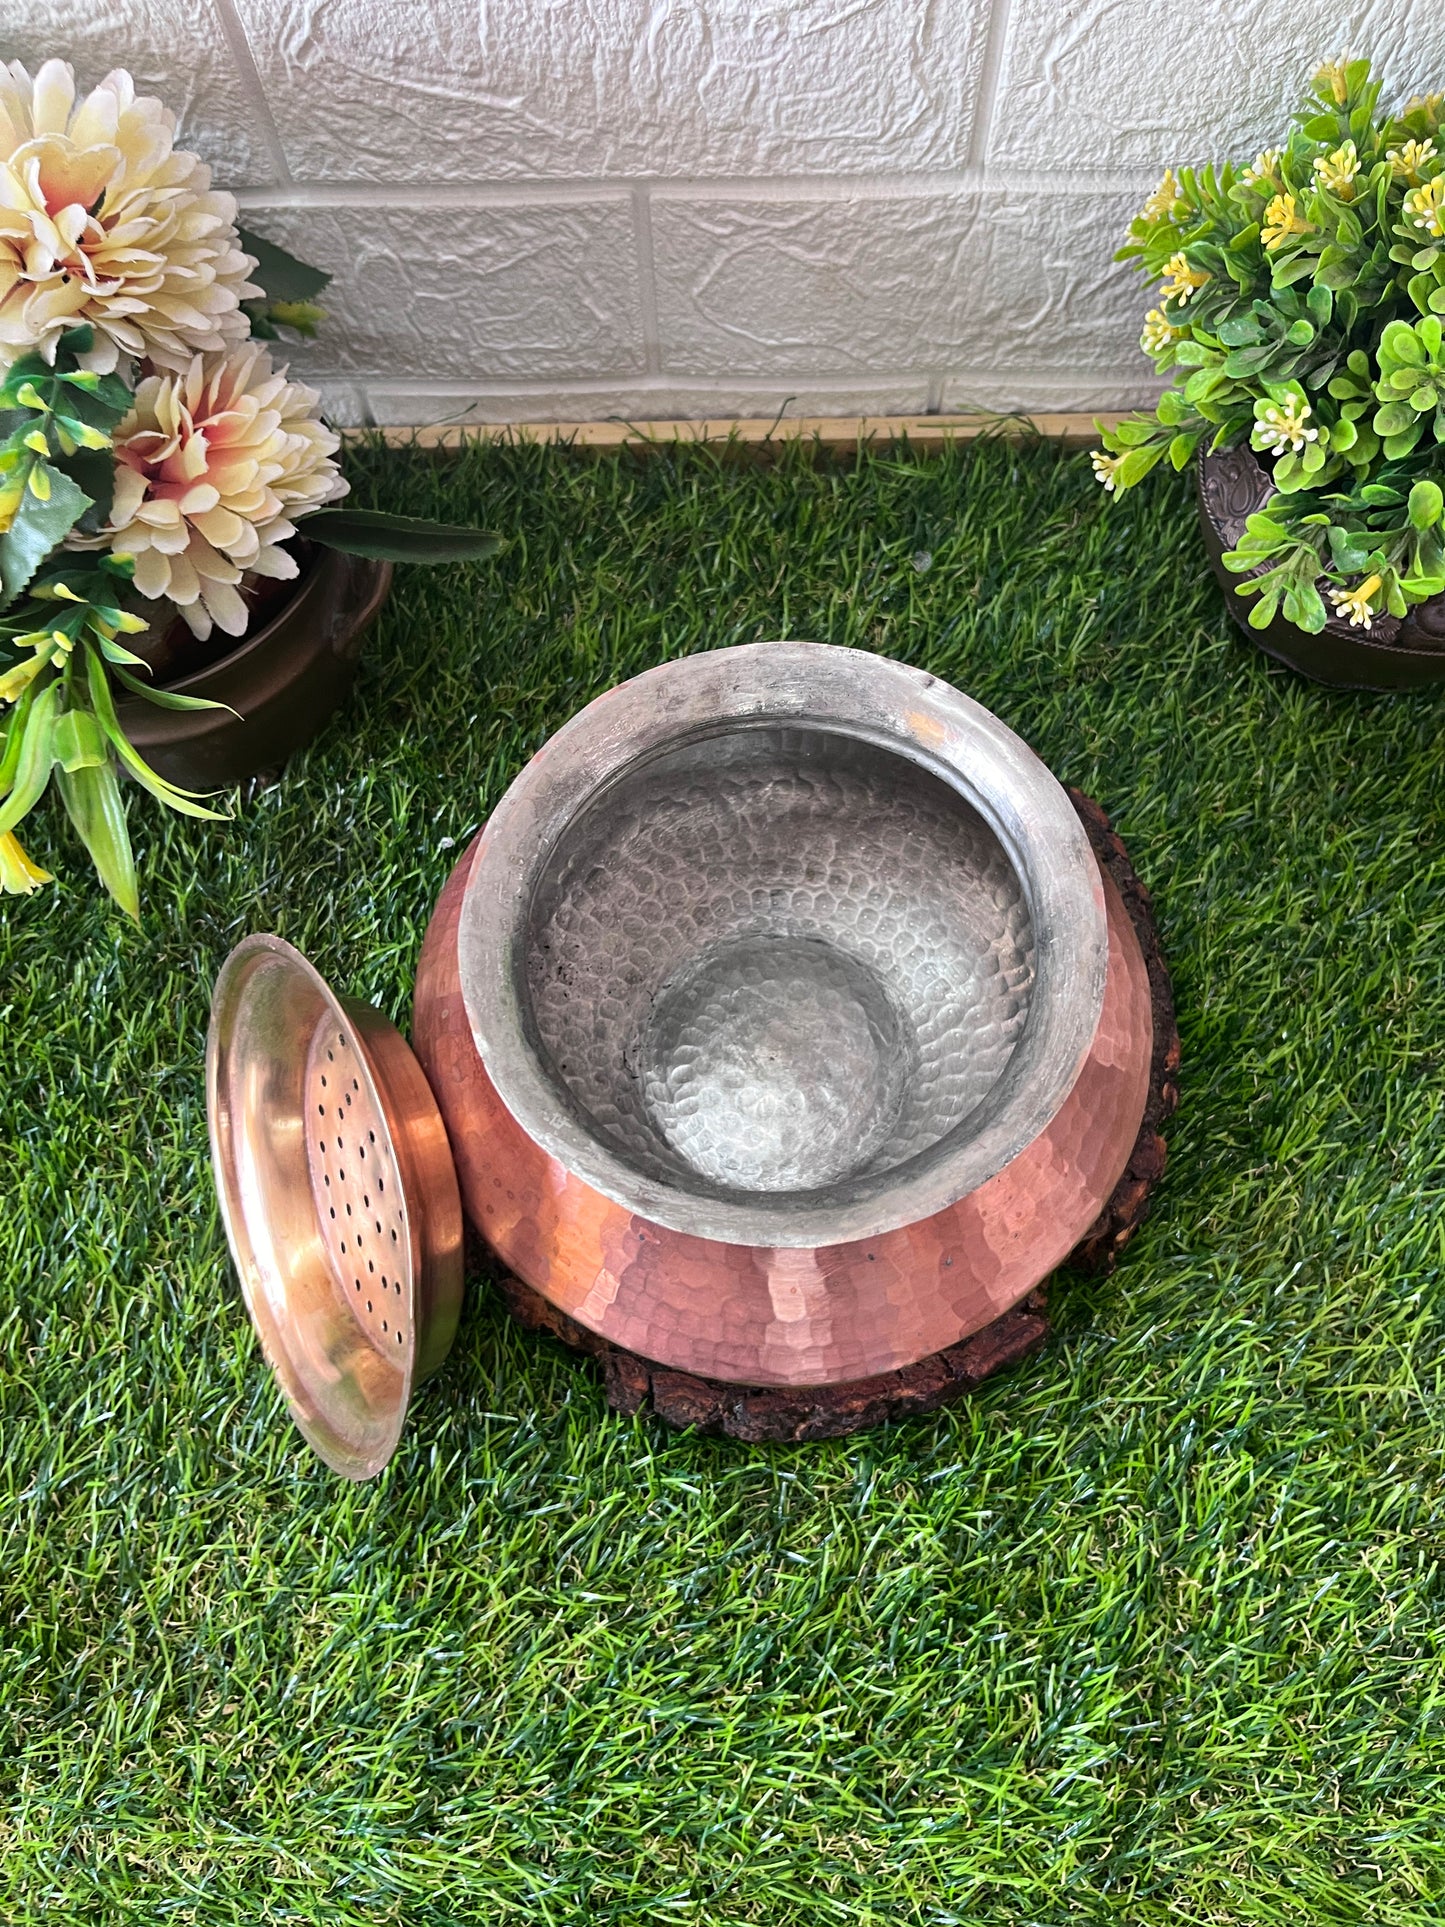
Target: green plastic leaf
[
  {"x": 1181, "y": 450},
  {"x": 32, "y": 766},
  {"x": 182, "y": 801},
  {"x": 76, "y": 741},
  {"x": 93, "y": 802},
  {"x": 162, "y": 698},
  {"x": 279, "y": 274},
  {"x": 1394, "y": 418},
  {"x": 1426, "y": 503},
  {"x": 39, "y": 526},
  {"x": 398, "y": 538},
  {"x": 1399, "y": 344}
]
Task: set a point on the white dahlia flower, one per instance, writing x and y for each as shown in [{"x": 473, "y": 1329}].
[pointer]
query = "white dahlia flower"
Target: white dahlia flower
[
  {"x": 103, "y": 220},
  {"x": 211, "y": 464}
]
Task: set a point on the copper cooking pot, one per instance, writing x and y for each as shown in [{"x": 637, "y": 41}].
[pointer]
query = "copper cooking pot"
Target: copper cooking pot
[{"x": 782, "y": 1024}]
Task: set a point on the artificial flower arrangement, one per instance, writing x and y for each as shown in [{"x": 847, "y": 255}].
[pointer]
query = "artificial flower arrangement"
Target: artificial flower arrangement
[
  {"x": 1301, "y": 310},
  {"x": 151, "y": 458}
]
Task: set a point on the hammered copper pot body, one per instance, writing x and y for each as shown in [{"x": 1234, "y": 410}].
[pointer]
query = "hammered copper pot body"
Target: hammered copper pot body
[
  {"x": 278, "y": 685},
  {"x": 690, "y": 898},
  {"x": 1231, "y": 485},
  {"x": 759, "y": 1315}
]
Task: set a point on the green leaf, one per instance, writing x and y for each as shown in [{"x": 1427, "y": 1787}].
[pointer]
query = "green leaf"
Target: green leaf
[
  {"x": 32, "y": 767},
  {"x": 399, "y": 538},
  {"x": 1400, "y": 344},
  {"x": 1181, "y": 450},
  {"x": 14, "y": 737},
  {"x": 279, "y": 274},
  {"x": 93, "y": 802},
  {"x": 1426, "y": 503},
  {"x": 1137, "y": 464},
  {"x": 163, "y": 698},
  {"x": 1249, "y": 361},
  {"x": 38, "y": 527},
  {"x": 77, "y": 741},
  {"x": 183, "y": 801},
  {"x": 93, "y": 470}
]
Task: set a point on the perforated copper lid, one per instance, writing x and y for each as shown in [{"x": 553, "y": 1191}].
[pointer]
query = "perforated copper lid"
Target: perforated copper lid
[{"x": 339, "y": 1198}]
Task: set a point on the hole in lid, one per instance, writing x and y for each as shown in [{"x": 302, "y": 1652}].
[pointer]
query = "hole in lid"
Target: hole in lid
[
  {"x": 331, "y": 1059},
  {"x": 378, "y": 1227},
  {"x": 339, "y": 1145},
  {"x": 332, "y": 1209},
  {"x": 341, "y": 1040},
  {"x": 361, "y": 1150},
  {"x": 381, "y": 1184},
  {"x": 371, "y": 1264},
  {"x": 348, "y": 1097},
  {"x": 323, "y": 1080},
  {"x": 357, "y": 1283},
  {"x": 341, "y": 1174},
  {"x": 348, "y": 1211},
  {"x": 366, "y": 1199},
  {"x": 393, "y": 1237},
  {"x": 396, "y": 1287},
  {"x": 356, "y": 1083},
  {"x": 383, "y": 1324},
  {"x": 398, "y": 1338},
  {"x": 321, "y": 1110},
  {"x": 343, "y": 1244},
  {"x": 371, "y": 1137},
  {"x": 325, "y": 1175},
  {"x": 368, "y": 1304}
]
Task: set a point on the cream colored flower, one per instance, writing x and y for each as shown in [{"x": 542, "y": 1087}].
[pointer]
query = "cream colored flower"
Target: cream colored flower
[
  {"x": 1158, "y": 332},
  {"x": 211, "y": 465},
  {"x": 1426, "y": 207},
  {"x": 1183, "y": 279},
  {"x": 1337, "y": 171},
  {"x": 1406, "y": 162},
  {"x": 1261, "y": 171},
  {"x": 1331, "y": 80},
  {"x": 103, "y": 220},
  {"x": 1106, "y": 467},
  {"x": 1281, "y": 221},
  {"x": 1162, "y": 202},
  {"x": 1431, "y": 105},
  {"x": 18, "y": 875},
  {"x": 1354, "y": 604},
  {"x": 1281, "y": 426}
]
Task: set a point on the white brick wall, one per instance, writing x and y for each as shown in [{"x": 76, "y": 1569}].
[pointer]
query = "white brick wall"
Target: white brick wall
[{"x": 554, "y": 209}]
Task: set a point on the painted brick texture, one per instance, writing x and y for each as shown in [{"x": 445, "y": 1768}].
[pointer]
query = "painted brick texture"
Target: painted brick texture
[{"x": 570, "y": 209}]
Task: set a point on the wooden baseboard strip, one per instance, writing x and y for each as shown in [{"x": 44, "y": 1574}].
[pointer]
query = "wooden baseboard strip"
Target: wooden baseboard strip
[{"x": 924, "y": 432}]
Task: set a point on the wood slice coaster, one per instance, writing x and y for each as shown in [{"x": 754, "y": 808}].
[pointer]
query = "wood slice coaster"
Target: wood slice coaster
[{"x": 772, "y": 1414}]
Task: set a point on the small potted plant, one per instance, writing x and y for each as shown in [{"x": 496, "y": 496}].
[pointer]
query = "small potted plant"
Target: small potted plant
[
  {"x": 181, "y": 596},
  {"x": 1300, "y": 319}
]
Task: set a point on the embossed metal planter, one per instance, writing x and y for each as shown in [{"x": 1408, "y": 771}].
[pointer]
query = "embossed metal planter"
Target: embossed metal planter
[{"x": 1393, "y": 654}]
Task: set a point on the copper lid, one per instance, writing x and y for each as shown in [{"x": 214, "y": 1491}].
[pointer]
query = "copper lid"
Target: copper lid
[{"x": 339, "y": 1199}]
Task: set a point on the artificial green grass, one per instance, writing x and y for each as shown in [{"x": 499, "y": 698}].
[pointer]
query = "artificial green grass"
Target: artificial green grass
[{"x": 1150, "y": 1631}]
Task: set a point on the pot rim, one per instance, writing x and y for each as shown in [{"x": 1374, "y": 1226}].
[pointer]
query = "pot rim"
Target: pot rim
[
  {"x": 846, "y": 691},
  {"x": 313, "y": 570}
]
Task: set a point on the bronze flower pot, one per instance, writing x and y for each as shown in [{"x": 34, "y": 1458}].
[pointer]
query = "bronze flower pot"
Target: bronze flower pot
[
  {"x": 282, "y": 681},
  {"x": 1232, "y": 485}
]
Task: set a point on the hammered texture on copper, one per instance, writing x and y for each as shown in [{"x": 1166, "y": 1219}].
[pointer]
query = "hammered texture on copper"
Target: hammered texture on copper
[
  {"x": 777, "y": 961},
  {"x": 766, "y": 1316},
  {"x": 358, "y": 1198}
]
